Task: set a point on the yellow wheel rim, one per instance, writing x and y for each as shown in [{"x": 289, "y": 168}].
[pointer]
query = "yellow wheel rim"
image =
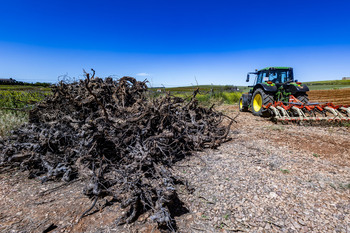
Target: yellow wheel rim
[
  {"x": 241, "y": 104},
  {"x": 257, "y": 102}
]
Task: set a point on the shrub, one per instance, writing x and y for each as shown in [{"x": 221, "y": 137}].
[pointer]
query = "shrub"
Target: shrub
[{"x": 10, "y": 120}]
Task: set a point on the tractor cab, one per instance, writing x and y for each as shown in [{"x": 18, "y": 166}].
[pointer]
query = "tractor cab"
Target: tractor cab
[{"x": 276, "y": 75}]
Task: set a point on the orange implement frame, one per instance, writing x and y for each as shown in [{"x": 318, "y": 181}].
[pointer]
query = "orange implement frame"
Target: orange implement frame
[{"x": 295, "y": 110}]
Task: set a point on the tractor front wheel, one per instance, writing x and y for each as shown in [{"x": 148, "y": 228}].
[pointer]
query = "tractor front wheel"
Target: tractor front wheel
[{"x": 259, "y": 99}]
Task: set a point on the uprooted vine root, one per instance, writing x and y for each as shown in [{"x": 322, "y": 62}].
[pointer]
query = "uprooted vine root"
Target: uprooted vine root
[{"x": 121, "y": 143}]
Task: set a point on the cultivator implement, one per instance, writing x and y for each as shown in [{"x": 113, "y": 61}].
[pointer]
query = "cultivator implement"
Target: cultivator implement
[{"x": 296, "y": 111}]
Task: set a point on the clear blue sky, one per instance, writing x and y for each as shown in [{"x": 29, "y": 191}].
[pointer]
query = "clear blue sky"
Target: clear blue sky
[{"x": 172, "y": 42}]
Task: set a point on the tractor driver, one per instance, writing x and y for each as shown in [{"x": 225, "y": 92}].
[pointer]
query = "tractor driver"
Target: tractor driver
[{"x": 274, "y": 77}]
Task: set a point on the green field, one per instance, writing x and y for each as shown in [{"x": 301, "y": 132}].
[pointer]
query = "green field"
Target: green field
[
  {"x": 23, "y": 88},
  {"x": 330, "y": 84},
  {"x": 208, "y": 94},
  {"x": 15, "y": 102},
  {"x": 20, "y": 99}
]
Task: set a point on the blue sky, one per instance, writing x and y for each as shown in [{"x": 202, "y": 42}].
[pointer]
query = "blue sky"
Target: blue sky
[{"x": 174, "y": 43}]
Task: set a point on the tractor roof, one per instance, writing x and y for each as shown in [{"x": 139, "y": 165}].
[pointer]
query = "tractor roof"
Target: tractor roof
[{"x": 276, "y": 68}]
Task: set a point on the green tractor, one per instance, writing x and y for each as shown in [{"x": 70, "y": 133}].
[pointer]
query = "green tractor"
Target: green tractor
[{"x": 271, "y": 85}]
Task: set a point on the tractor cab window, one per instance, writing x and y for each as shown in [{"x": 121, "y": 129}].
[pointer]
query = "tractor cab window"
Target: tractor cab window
[
  {"x": 263, "y": 76},
  {"x": 280, "y": 76},
  {"x": 259, "y": 78}
]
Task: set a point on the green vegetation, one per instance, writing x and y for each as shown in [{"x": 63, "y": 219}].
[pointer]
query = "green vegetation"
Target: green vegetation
[
  {"x": 330, "y": 84},
  {"x": 23, "y": 88},
  {"x": 219, "y": 98},
  {"x": 208, "y": 94},
  {"x": 10, "y": 120},
  {"x": 285, "y": 171},
  {"x": 20, "y": 99},
  {"x": 15, "y": 101}
]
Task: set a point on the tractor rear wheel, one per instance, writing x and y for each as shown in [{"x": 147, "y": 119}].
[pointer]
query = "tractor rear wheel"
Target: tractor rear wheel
[
  {"x": 242, "y": 108},
  {"x": 302, "y": 97},
  {"x": 259, "y": 99}
]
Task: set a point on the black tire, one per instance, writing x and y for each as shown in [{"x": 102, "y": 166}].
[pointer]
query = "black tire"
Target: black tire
[
  {"x": 302, "y": 97},
  {"x": 257, "y": 103},
  {"x": 242, "y": 108}
]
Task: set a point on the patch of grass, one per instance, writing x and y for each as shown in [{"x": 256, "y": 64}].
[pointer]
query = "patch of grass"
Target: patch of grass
[
  {"x": 316, "y": 155},
  {"x": 219, "y": 98},
  {"x": 285, "y": 171},
  {"x": 18, "y": 97},
  {"x": 346, "y": 124},
  {"x": 207, "y": 95},
  {"x": 221, "y": 226},
  {"x": 275, "y": 127},
  {"x": 226, "y": 216},
  {"x": 10, "y": 120},
  {"x": 203, "y": 98}
]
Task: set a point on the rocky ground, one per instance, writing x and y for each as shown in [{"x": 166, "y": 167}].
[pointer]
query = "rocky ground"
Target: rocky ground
[{"x": 272, "y": 178}]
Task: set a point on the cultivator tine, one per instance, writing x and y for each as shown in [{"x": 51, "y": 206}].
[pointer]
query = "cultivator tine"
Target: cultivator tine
[
  {"x": 299, "y": 112},
  {"x": 275, "y": 112},
  {"x": 334, "y": 112},
  {"x": 283, "y": 111},
  {"x": 345, "y": 110}
]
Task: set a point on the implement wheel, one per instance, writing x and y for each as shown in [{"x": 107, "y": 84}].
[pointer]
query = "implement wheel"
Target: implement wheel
[
  {"x": 259, "y": 99},
  {"x": 242, "y": 108}
]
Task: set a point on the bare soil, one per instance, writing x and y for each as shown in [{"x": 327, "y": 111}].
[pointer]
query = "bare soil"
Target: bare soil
[
  {"x": 269, "y": 177},
  {"x": 338, "y": 96}
]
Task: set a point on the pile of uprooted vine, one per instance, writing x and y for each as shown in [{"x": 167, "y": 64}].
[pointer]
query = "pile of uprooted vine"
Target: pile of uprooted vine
[{"x": 121, "y": 143}]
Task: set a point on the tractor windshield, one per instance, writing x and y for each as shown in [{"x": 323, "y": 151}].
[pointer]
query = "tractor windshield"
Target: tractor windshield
[{"x": 280, "y": 76}]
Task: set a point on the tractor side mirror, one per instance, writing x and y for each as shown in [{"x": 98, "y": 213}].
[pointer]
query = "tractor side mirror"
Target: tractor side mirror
[{"x": 247, "y": 78}]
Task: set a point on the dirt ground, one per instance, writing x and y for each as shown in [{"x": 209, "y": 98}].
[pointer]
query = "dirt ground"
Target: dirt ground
[
  {"x": 268, "y": 178},
  {"x": 337, "y": 96}
]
